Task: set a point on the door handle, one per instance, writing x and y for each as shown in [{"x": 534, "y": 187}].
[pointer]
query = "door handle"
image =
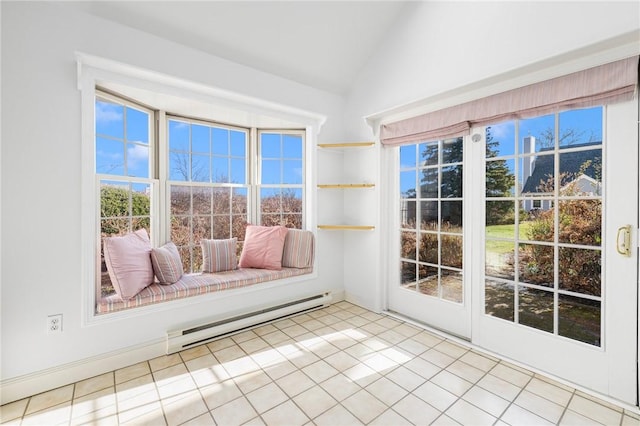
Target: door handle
[{"x": 623, "y": 240}]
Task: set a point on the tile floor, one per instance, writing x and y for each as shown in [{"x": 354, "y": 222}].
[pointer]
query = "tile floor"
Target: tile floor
[{"x": 342, "y": 365}]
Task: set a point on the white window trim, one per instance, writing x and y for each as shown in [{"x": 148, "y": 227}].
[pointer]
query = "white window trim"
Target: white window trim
[{"x": 95, "y": 71}]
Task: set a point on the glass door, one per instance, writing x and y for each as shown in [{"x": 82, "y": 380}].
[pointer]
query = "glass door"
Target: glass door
[
  {"x": 555, "y": 292},
  {"x": 430, "y": 284}
]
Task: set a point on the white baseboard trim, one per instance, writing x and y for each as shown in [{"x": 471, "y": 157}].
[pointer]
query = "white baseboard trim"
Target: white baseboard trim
[{"x": 20, "y": 387}]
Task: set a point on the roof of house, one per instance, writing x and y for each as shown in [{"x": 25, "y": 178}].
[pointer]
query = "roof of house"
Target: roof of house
[{"x": 570, "y": 164}]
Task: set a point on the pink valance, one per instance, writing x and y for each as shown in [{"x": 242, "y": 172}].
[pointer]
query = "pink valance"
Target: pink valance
[{"x": 601, "y": 85}]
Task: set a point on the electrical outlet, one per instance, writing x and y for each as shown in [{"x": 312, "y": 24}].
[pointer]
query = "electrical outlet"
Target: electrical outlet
[{"x": 54, "y": 323}]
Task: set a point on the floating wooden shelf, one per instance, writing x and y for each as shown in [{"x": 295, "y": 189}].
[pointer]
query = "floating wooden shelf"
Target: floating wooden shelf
[
  {"x": 347, "y": 227},
  {"x": 346, "y": 185},
  {"x": 346, "y": 145}
]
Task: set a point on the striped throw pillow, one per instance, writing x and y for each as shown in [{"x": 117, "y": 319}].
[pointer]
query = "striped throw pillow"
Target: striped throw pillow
[
  {"x": 298, "y": 249},
  {"x": 219, "y": 255},
  {"x": 167, "y": 264}
]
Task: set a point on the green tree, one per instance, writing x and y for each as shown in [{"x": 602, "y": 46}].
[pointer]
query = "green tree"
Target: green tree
[{"x": 499, "y": 183}]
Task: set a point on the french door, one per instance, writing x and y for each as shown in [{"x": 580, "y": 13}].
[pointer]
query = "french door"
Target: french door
[{"x": 543, "y": 275}]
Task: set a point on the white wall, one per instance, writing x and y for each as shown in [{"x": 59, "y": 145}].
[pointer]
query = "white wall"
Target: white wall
[
  {"x": 441, "y": 46},
  {"x": 41, "y": 180}
]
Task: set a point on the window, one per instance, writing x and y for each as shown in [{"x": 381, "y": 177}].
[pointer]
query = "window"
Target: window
[
  {"x": 431, "y": 218},
  {"x": 206, "y": 180}
]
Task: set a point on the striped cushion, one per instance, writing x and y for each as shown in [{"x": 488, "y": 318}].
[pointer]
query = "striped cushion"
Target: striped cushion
[
  {"x": 219, "y": 255},
  {"x": 167, "y": 264},
  {"x": 298, "y": 249}
]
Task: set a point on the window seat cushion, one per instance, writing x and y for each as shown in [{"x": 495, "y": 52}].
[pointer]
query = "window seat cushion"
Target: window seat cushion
[{"x": 196, "y": 284}]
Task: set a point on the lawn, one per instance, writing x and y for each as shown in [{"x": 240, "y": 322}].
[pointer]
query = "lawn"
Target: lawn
[{"x": 503, "y": 231}]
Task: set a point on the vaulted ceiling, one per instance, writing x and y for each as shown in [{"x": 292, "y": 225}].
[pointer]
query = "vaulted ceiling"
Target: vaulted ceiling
[{"x": 323, "y": 44}]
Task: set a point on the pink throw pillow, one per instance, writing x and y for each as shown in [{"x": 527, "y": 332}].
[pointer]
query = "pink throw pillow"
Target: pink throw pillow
[
  {"x": 128, "y": 260},
  {"x": 263, "y": 247}
]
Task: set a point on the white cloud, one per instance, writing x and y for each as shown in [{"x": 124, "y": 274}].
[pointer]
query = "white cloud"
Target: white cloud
[
  {"x": 106, "y": 113},
  {"x": 137, "y": 154}
]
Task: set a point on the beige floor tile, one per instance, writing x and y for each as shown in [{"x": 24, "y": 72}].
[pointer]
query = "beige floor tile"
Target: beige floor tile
[
  {"x": 280, "y": 369},
  {"x": 220, "y": 393},
  {"x": 374, "y": 328},
  {"x": 438, "y": 358},
  {"x": 380, "y": 363},
  {"x": 406, "y": 378},
  {"x": 466, "y": 371},
  {"x": 94, "y": 384},
  {"x": 539, "y": 405},
  {"x": 244, "y": 336},
  {"x": 371, "y": 316},
  {"x": 285, "y": 414},
  {"x": 361, "y": 375},
  {"x": 499, "y": 387},
  {"x": 549, "y": 391},
  {"x": 390, "y": 418},
  {"x": 357, "y": 321},
  {"x": 398, "y": 355},
  {"x": 174, "y": 381},
  {"x": 165, "y": 361},
  {"x": 252, "y": 381},
  {"x": 264, "y": 329},
  {"x": 303, "y": 358},
  {"x": 632, "y": 414},
  {"x": 599, "y": 401},
  {"x": 323, "y": 349},
  {"x": 201, "y": 363},
  {"x": 630, "y": 421},
  {"x": 194, "y": 352},
  {"x": 510, "y": 375},
  {"x": 136, "y": 393},
  {"x": 240, "y": 366},
  {"x": 454, "y": 384},
  {"x": 132, "y": 372},
  {"x": 13, "y": 410},
  {"x": 148, "y": 414},
  {"x": 92, "y": 408},
  {"x": 407, "y": 330},
  {"x": 329, "y": 320},
  {"x": 478, "y": 361},
  {"x": 444, "y": 420},
  {"x": 516, "y": 415},
  {"x": 268, "y": 357},
  {"x": 235, "y": 412},
  {"x": 341, "y": 340},
  {"x": 314, "y": 401},
  {"x": 254, "y": 345},
  {"x": 594, "y": 410},
  {"x": 486, "y": 400},
  {"x": 452, "y": 349},
  {"x": 53, "y": 415},
  {"x": 423, "y": 367},
  {"x": 284, "y": 323},
  {"x": 295, "y": 330},
  {"x": 356, "y": 309},
  {"x": 571, "y": 418},
  {"x": 359, "y": 351},
  {"x": 428, "y": 339},
  {"x": 229, "y": 354},
  {"x": 412, "y": 346},
  {"x": 364, "y": 406},
  {"x": 416, "y": 410},
  {"x": 341, "y": 361},
  {"x": 386, "y": 391},
  {"x": 392, "y": 337},
  {"x": 553, "y": 382},
  {"x": 319, "y": 371},
  {"x": 337, "y": 416},
  {"x": 223, "y": 343},
  {"x": 435, "y": 396},
  {"x": 257, "y": 421},
  {"x": 50, "y": 399},
  {"x": 183, "y": 407},
  {"x": 295, "y": 383},
  {"x": 467, "y": 414},
  {"x": 388, "y": 322},
  {"x": 266, "y": 397},
  {"x": 340, "y": 387},
  {"x": 202, "y": 420}
]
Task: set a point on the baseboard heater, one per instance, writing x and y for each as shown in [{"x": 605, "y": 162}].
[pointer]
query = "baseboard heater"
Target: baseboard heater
[{"x": 186, "y": 338}]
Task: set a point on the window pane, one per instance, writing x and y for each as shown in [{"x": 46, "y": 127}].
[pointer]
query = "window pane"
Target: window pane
[
  {"x": 271, "y": 172},
  {"x": 408, "y": 184},
  {"x": 537, "y": 134},
  {"x": 408, "y": 275},
  {"x": 500, "y": 178},
  {"x": 221, "y": 200},
  {"x": 137, "y": 126},
  {"x": 115, "y": 199},
  {"x": 239, "y": 201},
  {"x": 451, "y": 251},
  {"x": 221, "y": 227},
  {"x": 429, "y": 153},
  {"x": 429, "y": 183},
  {"x": 452, "y": 151},
  {"x": 292, "y": 146},
  {"x": 220, "y": 169},
  {"x": 238, "y": 144},
  {"x": 451, "y": 284},
  {"x": 408, "y": 245},
  {"x": 536, "y": 264},
  {"x": 580, "y": 222},
  {"x": 238, "y": 170},
  {"x": 451, "y": 214},
  {"x": 579, "y": 270},
  {"x": 407, "y": 213},
  {"x": 581, "y": 173},
  {"x": 429, "y": 215},
  {"x": 451, "y": 185},
  {"x": 178, "y": 136},
  {"x": 180, "y": 200},
  {"x": 428, "y": 247},
  {"x": 407, "y": 156},
  {"x": 536, "y": 308},
  {"x": 292, "y": 200},
  {"x": 109, "y": 156},
  {"x": 220, "y": 141},
  {"x": 580, "y": 126},
  {"x": 292, "y": 172},
  {"x": 202, "y": 200},
  {"x": 137, "y": 160},
  {"x": 428, "y": 282},
  {"x": 499, "y": 299},
  {"x": 179, "y": 166},
  {"x": 270, "y": 145},
  {"x": 579, "y": 319},
  {"x": 537, "y": 175},
  {"x": 109, "y": 119},
  {"x": 270, "y": 201},
  {"x": 500, "y": 139},
  {"x": 200, "y": 139}
]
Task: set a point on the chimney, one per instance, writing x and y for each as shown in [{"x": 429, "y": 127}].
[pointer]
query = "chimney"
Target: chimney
[{"x": 528, "y": 163}]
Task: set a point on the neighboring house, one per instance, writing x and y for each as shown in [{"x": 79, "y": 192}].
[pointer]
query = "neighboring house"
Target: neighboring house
[{"x": 579, "y": 172}]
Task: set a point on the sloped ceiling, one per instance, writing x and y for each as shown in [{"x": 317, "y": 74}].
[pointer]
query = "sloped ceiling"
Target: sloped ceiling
[{"x": 323, "y": 44}]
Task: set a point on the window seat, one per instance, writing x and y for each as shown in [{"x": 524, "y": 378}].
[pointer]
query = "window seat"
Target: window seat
[
  {"x": 297, "y": 259},
  {"x": 196, "y": 284}
]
